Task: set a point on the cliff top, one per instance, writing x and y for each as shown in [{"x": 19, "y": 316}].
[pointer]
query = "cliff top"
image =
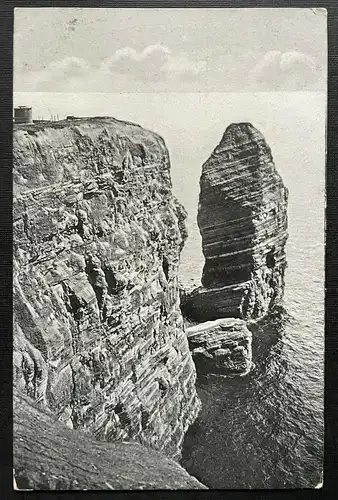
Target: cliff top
[
  {"x": 91, "y": 123},
  {"x": 78, "y": 120},
  {"x": 47, "y": 152}
]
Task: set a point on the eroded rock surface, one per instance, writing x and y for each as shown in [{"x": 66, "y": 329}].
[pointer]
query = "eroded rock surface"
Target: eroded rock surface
[
  {"x": 49, "y": 456},
  {"x": 242, "y": 217},
  {"x": 222, "y": 347},
  {"x": 98, "y": 333}
]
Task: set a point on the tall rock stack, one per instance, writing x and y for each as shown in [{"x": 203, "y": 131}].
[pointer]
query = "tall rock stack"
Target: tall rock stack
[
  {"x": 242, "y": 217},
  {"x": 99, "y": 336}
]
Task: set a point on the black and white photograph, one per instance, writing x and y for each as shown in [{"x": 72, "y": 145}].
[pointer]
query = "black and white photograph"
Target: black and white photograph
[{"x": 168, "y": 248}]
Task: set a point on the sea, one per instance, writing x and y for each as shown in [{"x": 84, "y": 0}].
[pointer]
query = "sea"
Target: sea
[{"x": 264, "y": 430}]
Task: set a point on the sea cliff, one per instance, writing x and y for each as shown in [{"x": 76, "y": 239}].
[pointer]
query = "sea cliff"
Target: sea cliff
[
  {"x": 242, "y": 217},
  {"x": 98, "y": 331}
]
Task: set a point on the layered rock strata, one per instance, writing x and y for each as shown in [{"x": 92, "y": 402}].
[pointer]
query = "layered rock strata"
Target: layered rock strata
[
  {"x": 242, "y": 217},
  {"x": 50, "y": 456},
  {"x": 98, "y": 331},
  {"x": 222, "y": 347}
]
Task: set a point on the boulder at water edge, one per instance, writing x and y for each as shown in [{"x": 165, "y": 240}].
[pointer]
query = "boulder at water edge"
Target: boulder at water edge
[{"x": 221, "y": 347}]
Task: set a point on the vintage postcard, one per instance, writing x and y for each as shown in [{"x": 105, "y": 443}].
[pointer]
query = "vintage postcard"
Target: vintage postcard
[{"x": 168, "y": 280}]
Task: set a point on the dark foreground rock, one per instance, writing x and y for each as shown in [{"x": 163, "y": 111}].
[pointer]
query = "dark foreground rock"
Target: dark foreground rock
[
  {"x": 50, "y": 456},
  {"x": 98, "y": 331},
  {"x": 242, "y": 218},
  {"x": 222, "y": 347}
]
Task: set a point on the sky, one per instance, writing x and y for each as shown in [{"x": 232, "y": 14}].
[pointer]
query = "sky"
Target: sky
[{"x": 169, "y": 50}]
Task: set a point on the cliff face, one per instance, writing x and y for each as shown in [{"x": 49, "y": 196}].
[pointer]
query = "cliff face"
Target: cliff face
[
  {"x": 42, "y": 447},
  {"x": 242, "y": 218},
  {"x": 98, "y": 333}
]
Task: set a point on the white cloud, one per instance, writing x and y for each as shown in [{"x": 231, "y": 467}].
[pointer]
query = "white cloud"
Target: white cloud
[
  {"x": 284, "y": 71},
  {"x": 69, "y": 67},
  {"x": 153, "y": 63},
  {"x": 124, "y": 71},
  {"x": 145, "y": 65},
  {"x": 54, "y": 76},
  {"x": 157, "y": 69}
]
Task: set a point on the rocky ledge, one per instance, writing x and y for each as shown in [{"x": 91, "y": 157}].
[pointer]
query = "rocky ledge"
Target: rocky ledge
[
  {"x": 222, "y": 347},
  {"x": 50, "y": 456},
  {"x": 98, "y": 331},
  {"x": 242, "y": 217}
]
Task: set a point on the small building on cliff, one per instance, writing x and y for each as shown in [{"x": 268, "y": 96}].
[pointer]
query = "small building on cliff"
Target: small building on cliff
[{"x": 23, "y": 114}]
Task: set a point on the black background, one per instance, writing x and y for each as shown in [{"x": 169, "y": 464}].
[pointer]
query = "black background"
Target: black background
[{"x": 330, "y": 488}]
